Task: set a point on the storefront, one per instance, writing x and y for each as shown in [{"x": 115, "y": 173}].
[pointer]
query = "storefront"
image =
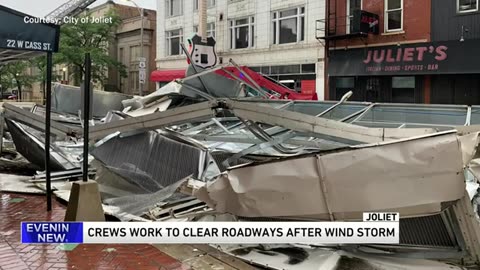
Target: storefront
[{"x": 440, "y": 72}]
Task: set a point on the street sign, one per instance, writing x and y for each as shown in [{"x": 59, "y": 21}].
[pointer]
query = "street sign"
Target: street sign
[
  {"x": 142, "y": 66},
  {"x": 19, "y": 31},
  {"x": 142, "y": 76}
]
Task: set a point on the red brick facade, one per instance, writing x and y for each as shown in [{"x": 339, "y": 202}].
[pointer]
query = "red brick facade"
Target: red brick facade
[{"x": 416, "y": 29}]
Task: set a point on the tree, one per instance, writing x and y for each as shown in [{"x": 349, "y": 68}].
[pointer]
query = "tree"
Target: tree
[
  {"x": 78, "y": 39},
  {"x": 12, "y": 75},
  {"x": 40, "y": 64}
]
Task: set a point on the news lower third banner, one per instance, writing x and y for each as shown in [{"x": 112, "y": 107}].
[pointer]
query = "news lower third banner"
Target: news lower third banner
[{"x": 380, "y": 231}]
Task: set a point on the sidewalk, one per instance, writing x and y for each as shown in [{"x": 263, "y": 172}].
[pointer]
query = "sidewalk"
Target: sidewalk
[{"x": 15, "y": 208}]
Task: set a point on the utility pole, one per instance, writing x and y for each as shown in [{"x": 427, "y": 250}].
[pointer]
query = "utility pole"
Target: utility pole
[
  {"x": 142, "y": 60},
  {"x": 141, "y": 69}
]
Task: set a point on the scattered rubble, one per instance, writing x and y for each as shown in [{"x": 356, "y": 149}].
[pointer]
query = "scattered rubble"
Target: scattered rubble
[{"x": 198, "y": 149}]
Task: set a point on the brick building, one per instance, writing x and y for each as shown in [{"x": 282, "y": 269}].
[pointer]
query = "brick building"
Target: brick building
[
  {"x": 379, "y": 49},
  {"x": 403, "y": 51}
]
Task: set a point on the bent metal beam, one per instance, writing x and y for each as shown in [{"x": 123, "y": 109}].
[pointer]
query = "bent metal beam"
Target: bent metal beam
[
  {"x": 312, "y": 124},
  {"x": 292, "y": 120},
  {"x": 155, "y": 120},
  {"x": 36, "y": 121}
]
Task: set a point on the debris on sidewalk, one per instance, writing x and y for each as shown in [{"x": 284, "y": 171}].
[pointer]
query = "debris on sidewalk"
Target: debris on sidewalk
[{"x": 203, "y": 152}]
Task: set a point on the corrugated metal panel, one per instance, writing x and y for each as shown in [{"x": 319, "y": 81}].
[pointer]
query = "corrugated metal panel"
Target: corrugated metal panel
[
  {"x": 149, "y": 159},
  {"x": 430, "y": 231},
  {"x": 220, "y": 157},
  {"x": 425, "y": 231}
]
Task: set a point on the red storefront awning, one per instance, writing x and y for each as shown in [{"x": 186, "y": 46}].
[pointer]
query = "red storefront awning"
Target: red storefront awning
[{"x": 167, "y": 75}]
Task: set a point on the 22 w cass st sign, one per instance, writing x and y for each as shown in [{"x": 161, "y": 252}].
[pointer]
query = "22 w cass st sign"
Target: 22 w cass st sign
[{"x": 16, "y": 34}]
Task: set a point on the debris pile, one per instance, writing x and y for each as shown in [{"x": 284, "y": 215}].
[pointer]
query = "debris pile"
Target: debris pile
[{"x": 216, "y": 148}]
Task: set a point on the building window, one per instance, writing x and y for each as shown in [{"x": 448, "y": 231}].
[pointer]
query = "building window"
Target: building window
[
  {"x": 134, "y": 53},
  {"x": 308, "y": 68},
  {"x": 289, "y": 26},
  {"x": 393, "y": 15},
  {"x": 345, "y": 82},
  {"x": 121, "y": 56},
  {"x": 403, "y": 89},
  {"x": 242, "y": 33},
  {"x": 464, "y": 6},
  {"x": 133, "y": 85},
  {"x": 210, "y": 29},
  {"x": 173, "y": 7},
  {"x": 174, "y": 41},
  {"x": 210, "y": 3},
  {"x": 343, "y": 85},
  {"x": 352, "y": 5}
]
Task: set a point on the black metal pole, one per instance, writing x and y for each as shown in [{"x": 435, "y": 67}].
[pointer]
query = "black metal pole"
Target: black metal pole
[
  {"x": 47, "y": 130},
  {"x": 86, "y": 114}
]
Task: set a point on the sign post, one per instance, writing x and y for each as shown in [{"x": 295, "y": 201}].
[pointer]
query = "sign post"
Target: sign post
[
  {"x": 142, "y": 74},
  {"x": 19, "y": 31}
]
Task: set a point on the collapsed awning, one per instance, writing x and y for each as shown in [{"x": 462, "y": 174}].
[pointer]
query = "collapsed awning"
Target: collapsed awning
[{"x": 167, "y": 75}]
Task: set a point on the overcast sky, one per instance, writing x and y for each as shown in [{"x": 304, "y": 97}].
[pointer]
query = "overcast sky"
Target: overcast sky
[{"x": 40, "y": 8}]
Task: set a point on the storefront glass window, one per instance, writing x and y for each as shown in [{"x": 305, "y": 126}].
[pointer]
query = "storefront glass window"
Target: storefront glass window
[
  {"x": 393, "y": 15},
  {"x": 403, "y": 89},
  {"x": 403, "y": 82},
  {"x": 346, "y": 82},
  {"x": 464, "y": 6},
  {"x": 308, "y": 68}
]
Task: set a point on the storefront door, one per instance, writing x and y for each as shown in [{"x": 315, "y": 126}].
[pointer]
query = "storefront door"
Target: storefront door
[
  {"x": 466, "y": 90},
  {"x": 456, "y": 89}
]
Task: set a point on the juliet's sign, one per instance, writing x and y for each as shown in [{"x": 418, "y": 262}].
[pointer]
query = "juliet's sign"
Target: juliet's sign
[
  {"x": 16, "y": 33},
  {"x": 408, "y": 59}
]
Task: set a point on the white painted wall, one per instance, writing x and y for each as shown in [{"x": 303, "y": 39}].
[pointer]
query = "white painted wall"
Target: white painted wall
[{"x": 264, "y": 52}]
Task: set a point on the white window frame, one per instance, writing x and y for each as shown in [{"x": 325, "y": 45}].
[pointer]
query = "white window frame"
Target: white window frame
[
  {"x": 276, "y": 21},
  {"x": 168, "y": 38},
  {"x": 351, "y": 15},
  {"x": 133, "y": 49},
  {"x": 210, "y": 29},
  {"x": 251, "y": 27},
  {"x": 210, "y": 4},
  {"x": 385, "y": 17},
  {"x": 465, "y": 11},
  {"x": 168, "y": 3}
]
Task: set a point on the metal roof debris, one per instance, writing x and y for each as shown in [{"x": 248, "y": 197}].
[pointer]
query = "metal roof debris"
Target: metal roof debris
[{"x": 187, "y": 153}]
